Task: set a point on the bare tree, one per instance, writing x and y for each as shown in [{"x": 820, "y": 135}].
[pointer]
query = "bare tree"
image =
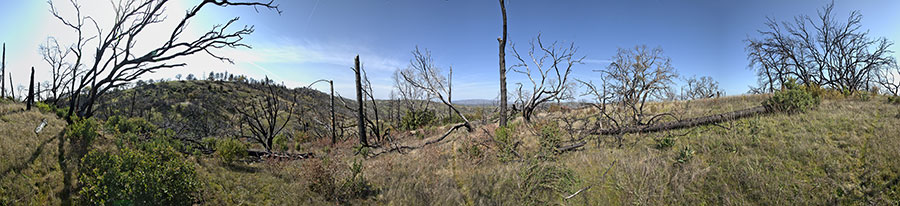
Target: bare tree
[
  {"x": 29, "y": 100},
  {"x": 889, "y": 78},
  {"x": 503, "y": 92},
  {"x": 636, "y": 76},
  {"x": 423, "y": 74},
  {"x": 60, "y": 70},
  {"x": 548, "y": 68},
  {"x": 700, "y": 88},
  {"x": 264, "y": 117},
  {"x": 818, "y": 50},
  {"x": 116, "y": 61}
]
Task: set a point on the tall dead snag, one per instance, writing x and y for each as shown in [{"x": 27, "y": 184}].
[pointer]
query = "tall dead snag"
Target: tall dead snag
[
  {"x": 699, "y": 88},
  {"x": 502, "y": 41},
  {"x": 29, "y": 100},
  {"x": 263, "y": 117},
  {"x": 423, "y": 74},
  {"x": 553, "y": 64},
  {"x": 3, "y": 74},
  {"x": 117, "y": 60},
  {"x": 360, "y": 113},
  {"x": 819, "y": 50}
]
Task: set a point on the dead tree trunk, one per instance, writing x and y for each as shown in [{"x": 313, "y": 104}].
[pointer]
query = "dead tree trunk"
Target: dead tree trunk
[
  {"x": 3, "y": 74},
  {"x": 360, "y": 113},
  {"x": 712, "y": 119},
  {"x": 450, "y": 93},
  {"x": 502, "y": 41},
  {"x": 333, "y": 133},
  {"x": 30, "y": 99},
  {"x": 12, "y": 91}
]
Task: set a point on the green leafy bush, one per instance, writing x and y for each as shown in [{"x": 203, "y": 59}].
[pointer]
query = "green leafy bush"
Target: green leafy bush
[
  {"x": 47, "y": 108},
  {"x": 281, "y": 143},
  {"x": 137, "y": 177},
  {"x": 893, "y": 99},
  {"x": 415, "y": 119},
  {"x": 230, "y": 150},
  {"x": 83, "y": 131},
  {"x": 133, "y": 125},
  {"x": 793, "y": 98}
]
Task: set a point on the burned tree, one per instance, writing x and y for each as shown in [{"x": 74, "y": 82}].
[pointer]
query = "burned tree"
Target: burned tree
[
  {"x": 889, "y": 78},
  {"x": 116, "y": 61},
  {"x": 423, "y": 74},
  {"x": 502, "y": 41},
  {"x": 634, "y": 77},
  {"x": 700, "y": 88},
  {"x": 818, "y": 50},
  {"x": 29, "y": 100},
  {"x": 360, "y": 112},
  {"x": 3, "y": 74},
  {"x": 548, "y": 68},
  {"x": 55, "y": 56},
  {"x": 262, "y": 118}
]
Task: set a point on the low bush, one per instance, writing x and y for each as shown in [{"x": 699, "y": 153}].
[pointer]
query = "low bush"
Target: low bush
[
  {"x": 684, "y": 155},
  {"x": 48, "y": 108},
  {"x": 508, "y": 143},
  {"x": 137, "y": 177},
  {"x": 83, "y": 131},
  {"x": 133, "y": 125},
  {"x": 415, "y": 119},
  {"x": 793, "y": 98},
  {"x": 665, "y": 142},
  {"x": 548, "y": 139},
  {"x": 893, "y": 99},
  {"x": 230, "y": 150}
]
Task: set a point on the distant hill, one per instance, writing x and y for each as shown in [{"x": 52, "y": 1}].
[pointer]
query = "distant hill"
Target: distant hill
[{"x": 476, "y": 102}]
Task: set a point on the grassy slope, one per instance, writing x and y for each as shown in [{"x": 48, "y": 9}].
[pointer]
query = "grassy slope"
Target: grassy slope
[
  {"x": 30, "y": 164},
  {"x": 842, "y": 152}
]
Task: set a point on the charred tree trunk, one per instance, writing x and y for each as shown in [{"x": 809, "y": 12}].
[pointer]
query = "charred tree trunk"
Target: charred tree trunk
[
  {"x": 502, "y": 41},
  {"x": 687, "y": 122},
  {"x": 12, "y": 91},
  {"x": 3, "y": 74},
  {"x": 450, "y": 93},
  {"x": 30, "y": 99},
  {"x": 333, "y": 125},
  {"x": 360, "y": 113}
]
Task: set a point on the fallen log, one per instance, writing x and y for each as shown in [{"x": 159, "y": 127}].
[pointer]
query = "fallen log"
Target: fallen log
[
  {"x": 711, "y": 119},
  {"x": 572, "y": 146},
  {"x": 280, "y": 156}
]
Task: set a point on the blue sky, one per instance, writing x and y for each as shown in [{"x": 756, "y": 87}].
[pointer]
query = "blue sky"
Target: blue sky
[{"x": 316, "y": 39}]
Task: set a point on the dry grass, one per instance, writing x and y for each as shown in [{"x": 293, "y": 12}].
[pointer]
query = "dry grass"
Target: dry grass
[{"x": 844, "y": 152}]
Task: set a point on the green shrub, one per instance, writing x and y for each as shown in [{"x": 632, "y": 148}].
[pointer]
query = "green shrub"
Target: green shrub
[
  {"x": 544, "y": 184},
  {"x": 549, "y": 139},
  {"x": 48, "y": 108},
  {"x": 281, "y": 143},
  {"x": 508, "y": 143},
  {"x": 130, "y": 125},
  {"x": 137, "y": 177},
  {"x": 83, "y": 131},
  {"x": 893, "y": 99},
  {"x": 665, "y": 142},
  {"x": 414, "y": 119},
  {"x": 792, "y": 98},
  {"x": 230, "y": 150}
]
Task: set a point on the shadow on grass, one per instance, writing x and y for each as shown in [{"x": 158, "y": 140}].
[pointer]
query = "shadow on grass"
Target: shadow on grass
[
  {"x": 34, "y": 155},
  {"x": 76, "y": 150}
]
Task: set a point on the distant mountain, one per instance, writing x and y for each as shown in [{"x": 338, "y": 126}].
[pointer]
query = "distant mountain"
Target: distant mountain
[{"x": 476, "y": 102}]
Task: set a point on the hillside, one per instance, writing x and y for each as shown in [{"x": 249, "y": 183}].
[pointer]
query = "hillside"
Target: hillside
[{"x": 841, "y": 152}]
